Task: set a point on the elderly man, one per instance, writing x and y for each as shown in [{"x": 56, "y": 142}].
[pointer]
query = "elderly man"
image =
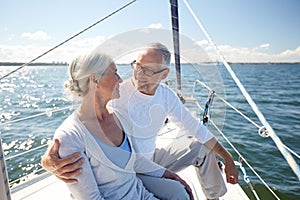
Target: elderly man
[{"x": 143, "y": 106}]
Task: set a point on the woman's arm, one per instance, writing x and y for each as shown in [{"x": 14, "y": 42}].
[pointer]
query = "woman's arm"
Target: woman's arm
[{"x": 145, "y": 166}]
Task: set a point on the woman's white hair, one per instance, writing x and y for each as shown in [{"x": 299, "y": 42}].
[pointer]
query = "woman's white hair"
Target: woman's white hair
[{"x": 82, "y": 67}]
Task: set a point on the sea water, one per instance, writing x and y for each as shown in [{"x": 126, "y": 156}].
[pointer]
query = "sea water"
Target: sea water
[{"x": 275, "y": 88}]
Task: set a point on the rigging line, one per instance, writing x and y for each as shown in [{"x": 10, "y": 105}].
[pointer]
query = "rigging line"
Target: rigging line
[
  {"x": 246, "y": 177},
  {"x": 23, "y": 178},
  {"x": 289, "y": 158},
  {"x": 37, "y": 115},
  {"x": 229, "y": 104},
  {"x": 25, "y": 152},
  {"x": 293, "y": 152},
  {"x": 67, "y": 40},
  {"x": 239, "y": 154},
  {"x": 238, "y": 111}
]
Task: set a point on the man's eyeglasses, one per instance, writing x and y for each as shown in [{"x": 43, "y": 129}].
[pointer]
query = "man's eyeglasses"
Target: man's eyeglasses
[{"x": 145, "y": 70}]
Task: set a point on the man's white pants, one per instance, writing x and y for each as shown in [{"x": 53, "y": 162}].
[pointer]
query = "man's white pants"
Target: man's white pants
[{"x": 185, "y": 151}]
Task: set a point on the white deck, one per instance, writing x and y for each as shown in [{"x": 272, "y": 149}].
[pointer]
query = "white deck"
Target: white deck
[
  {"x": 234, "y": 192},
  {"x": 48, "y": 187},
  {"x": 45, "y": 187}
]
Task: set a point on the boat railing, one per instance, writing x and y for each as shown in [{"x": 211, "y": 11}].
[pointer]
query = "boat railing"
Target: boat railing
[{"x": 37, "y": 169}]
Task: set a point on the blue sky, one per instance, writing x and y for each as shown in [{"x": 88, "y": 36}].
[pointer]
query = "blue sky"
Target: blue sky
[{"x": 244, "y": 31}]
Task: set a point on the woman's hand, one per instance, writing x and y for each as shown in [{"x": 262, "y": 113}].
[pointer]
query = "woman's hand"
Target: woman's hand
[{"x": 171, "y": 175}]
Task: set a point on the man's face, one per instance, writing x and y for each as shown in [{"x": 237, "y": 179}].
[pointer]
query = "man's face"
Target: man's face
[{"x": 149, "y": 60}]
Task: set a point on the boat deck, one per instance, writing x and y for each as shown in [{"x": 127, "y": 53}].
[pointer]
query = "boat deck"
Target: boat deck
[{"x": 48, "y": 187}]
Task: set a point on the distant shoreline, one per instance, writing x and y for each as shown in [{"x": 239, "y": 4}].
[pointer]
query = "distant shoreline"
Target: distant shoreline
[
  {"x": 65, "y": 63},
  {"x": 33, "y": 64}
]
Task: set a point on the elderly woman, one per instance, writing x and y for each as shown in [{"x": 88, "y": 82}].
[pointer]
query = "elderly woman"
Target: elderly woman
[{"x": 110, "y": 162}]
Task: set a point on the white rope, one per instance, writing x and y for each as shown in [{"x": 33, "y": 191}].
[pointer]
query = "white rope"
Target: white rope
[
  {"x": 246, "y": 178},
  {"x": 292, "y": 163}
]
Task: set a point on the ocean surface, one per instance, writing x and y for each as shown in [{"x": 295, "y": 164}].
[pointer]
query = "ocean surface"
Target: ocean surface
[{"x": 275, "y": 88}]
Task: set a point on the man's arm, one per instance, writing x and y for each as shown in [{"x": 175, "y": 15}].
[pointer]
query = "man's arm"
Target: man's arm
[
  {"x": 230, "y": 168},
  {"x": 182, "y": 118},
  {"x": 66, "y": 169}
]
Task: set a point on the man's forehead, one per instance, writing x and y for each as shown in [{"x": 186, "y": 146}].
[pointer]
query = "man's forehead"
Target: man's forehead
[{"x": 150, "y": 56}]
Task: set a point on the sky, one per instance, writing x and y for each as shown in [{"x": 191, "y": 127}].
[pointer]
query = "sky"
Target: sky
[{"x": 243, "y": 31}]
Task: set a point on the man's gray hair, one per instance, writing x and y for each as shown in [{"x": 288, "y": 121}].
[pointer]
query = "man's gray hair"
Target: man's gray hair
[{"x": 166, "y": 55}]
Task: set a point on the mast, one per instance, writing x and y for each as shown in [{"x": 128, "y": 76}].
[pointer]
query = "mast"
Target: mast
[{"x": 175, "y": 31}]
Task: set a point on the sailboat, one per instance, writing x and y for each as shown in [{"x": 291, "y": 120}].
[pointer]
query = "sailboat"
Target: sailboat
[{"x": 47, "y": 186}]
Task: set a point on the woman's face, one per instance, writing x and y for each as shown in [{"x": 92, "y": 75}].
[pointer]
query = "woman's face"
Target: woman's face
[{"x": 109, "y": 83}]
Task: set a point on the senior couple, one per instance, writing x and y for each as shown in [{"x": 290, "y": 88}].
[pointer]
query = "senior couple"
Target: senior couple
[{"x": 106, "y": 148}]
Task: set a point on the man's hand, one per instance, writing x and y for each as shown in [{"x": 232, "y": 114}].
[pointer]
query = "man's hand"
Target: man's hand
[
  {"x": 66, "y": 169},
  {"x": 232, "y": 173},
  {"x": 171, "y": 175}
]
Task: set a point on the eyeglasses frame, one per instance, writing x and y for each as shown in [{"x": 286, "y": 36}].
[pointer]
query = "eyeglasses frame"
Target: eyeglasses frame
[{"x": 145, "y": 68}]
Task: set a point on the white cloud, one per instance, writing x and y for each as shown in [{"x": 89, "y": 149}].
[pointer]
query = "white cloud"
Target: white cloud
[
  {"x": 264, "y": 46},
  {"x": 11, "y": 37},
  {"x": 39, "y": 35},
  {"x": 157, "y": 26},
  {"x": 88, "y": 42},
  {"x": 25, "y": 53},
  {"x": 202, "y": 43},
  {"x": 257, "y": 54}
]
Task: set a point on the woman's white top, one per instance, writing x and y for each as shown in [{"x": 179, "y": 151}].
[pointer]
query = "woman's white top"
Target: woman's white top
[{"x": 101, "y": 178}]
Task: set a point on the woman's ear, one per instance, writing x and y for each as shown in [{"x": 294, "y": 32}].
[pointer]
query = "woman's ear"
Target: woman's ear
[{"x": 93, "y": 78}]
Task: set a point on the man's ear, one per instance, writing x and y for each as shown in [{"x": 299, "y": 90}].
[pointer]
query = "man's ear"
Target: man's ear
[{"x": 165, "y": 73}]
